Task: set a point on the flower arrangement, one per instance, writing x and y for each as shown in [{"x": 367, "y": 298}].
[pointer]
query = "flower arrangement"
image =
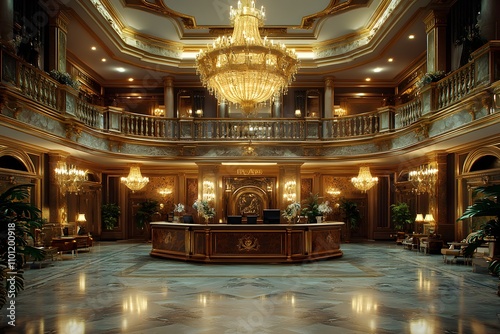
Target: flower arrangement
[
  {"x": 291, "y": 211},
  {"x": 179, "y": 208},
  {"x": 204, "y": 209},
  {"x": 65, "y": 79},
  {"x": 324, "y": 208},
  {"x": 429, "y": 77}
]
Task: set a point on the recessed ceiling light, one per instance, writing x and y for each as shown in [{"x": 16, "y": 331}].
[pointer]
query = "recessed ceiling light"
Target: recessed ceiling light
[
  {"x": 93, "y": 48},
  {"x": 411, "y": 37},
  {"x": 377, "y": 70},
  {"x": 139, "y": 97},
  {"x": 390, "y": 60},
  {"x": 120, "y": 69},
  {"x": 368, "y": 79},
  {"x": 130, "y": 79},
  {"x": 103, "y": 60}
]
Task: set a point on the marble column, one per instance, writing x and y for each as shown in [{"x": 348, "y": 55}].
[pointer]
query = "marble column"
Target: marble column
[
  {"x": 435, "y": 27},
  {"x": 329, "y": 102},
  {"x": 6, "y": 20},
  {"x": 58, "y": 31},
  {"x": 168, "y": 96},
  {"x": 489, "y": 21}
]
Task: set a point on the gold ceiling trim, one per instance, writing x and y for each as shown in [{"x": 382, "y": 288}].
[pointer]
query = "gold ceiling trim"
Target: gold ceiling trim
[
  {"x": 189, "y": 22},
  {"x": 334, "y": 8},
  {"x": 159, "y": 7}
]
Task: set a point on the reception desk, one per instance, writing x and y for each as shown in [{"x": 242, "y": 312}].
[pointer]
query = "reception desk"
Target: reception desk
[{"x": 260, "y": 243}]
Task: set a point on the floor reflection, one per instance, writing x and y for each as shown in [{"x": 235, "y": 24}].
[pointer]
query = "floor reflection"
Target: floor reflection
[{"x": 373, "y": 288}]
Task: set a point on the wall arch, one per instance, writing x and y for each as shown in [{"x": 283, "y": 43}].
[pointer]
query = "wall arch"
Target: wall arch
[
  {"x": 19, "y": 156},
  {"x": 470, "y": 162}
]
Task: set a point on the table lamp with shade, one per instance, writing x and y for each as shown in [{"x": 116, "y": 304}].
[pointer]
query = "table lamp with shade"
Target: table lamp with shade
[
  {"x": 419, "y": 219},
  {"x": 81, "y": 221}
]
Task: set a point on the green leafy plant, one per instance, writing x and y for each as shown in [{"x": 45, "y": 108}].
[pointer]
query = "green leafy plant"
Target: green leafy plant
[
  {"x": 18, "y": 221},
  {"x": 146, "y": 211},
  {"x": 110, "y": 213},
  {"x": 65, "y": 79},
  {"x": 429, "y": 77},
  {"x": 487, "y": 205},
  {"x": 204, "y": 209},
  {"x": 310, "y": 208},
  {"x": 350, "y": 212},
  {"x": 401, "y": 216}
]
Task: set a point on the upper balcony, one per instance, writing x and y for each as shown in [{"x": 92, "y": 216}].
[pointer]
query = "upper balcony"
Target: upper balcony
[{"x": 465, "y": 100}]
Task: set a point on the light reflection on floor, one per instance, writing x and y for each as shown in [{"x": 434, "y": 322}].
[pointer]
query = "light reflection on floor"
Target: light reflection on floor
[{"x": 373, "y": 288}]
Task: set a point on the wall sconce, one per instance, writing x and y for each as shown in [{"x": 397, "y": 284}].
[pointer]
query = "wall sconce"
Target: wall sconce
[
  {"x": 165, "y": 191},
  {"x": 333, "y": 192},
  {"x": 159, "y": 112},
  {"x": 208, "y": 191},
  {"x": 423, "y": 179},
  {"x": 289, "y": 191},
  {"x": 339, "y": 112}
]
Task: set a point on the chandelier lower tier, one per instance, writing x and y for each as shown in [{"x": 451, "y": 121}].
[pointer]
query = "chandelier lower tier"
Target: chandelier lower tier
[
  {"x": 69, "y": 178},
  {"x": 244, "y": 68},
  {"x": 364, "y": 181},
  {"x": 134, "y": 180}
]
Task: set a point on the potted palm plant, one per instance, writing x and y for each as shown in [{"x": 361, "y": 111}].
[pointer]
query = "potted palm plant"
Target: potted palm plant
[
  {"x": 487, "y": 205},
  {"x": 144, "y": 215},
  {"x": 18, "y": 220},
  {"x": 110, "y": 213},
  {"x": 401, "y": 216},
  {"x": 351, "y": 215}
]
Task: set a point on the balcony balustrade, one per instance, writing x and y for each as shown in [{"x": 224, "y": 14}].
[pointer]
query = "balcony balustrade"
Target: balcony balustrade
[{"x": 20, "y": 80}]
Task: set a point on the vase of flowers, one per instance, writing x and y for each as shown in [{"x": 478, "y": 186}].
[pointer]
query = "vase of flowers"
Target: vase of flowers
[
  {"x": 325, "y": 209},
  {"x": 204, "y": 210},
  {"x": 291, "y": 212},
  {"x": 179, "y": 209}
]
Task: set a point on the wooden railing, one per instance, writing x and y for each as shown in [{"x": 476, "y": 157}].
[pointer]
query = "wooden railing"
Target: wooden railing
[{"x": 44, "y": 90}]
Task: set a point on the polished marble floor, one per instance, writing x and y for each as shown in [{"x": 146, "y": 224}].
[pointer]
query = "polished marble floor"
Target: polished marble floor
[{"x": 374, "y": 288}]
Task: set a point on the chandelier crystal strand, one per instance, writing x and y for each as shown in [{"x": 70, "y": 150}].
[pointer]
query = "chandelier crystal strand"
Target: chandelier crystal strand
[
  {"x": 364, "y": 181},
  {"x": 423, "y": 179},
  {"x": 135, "y": 181},
  {"x": 69, "y": 178},
  {"x": 244, "y": 68}
]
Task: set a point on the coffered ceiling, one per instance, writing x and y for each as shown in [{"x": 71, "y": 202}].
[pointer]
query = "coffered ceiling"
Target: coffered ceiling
[{"x": 349, "y": 40}]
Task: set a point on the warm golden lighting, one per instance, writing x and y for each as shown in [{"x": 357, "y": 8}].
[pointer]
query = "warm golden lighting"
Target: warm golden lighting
[
  {"x": 289, "y": 191},
  {"x": 69, "y": 178},
  {"x": 364, "y": 181},
  {"x": 244, "y": 68},
  {"x": 135, "y": 181},
  {"x": 208, "y": 191},
  {"x": 423, "y": 179}
]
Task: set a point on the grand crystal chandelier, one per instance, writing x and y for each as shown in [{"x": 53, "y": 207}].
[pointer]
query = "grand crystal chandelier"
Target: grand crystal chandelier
[
  {"x": 244, "y": 68},
  {"x": 364, "y": 181},
  {"x": 134, "y": 180},
  {"x": 69, "y": 178}
]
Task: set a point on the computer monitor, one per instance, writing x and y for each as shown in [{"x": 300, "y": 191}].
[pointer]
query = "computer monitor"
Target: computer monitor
[
  {"x": 271, "y": 216},
  {"x": 188, "y": 219},
  {"x": 252, "y": 219},
  {"x": 234, "y": 219}
]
